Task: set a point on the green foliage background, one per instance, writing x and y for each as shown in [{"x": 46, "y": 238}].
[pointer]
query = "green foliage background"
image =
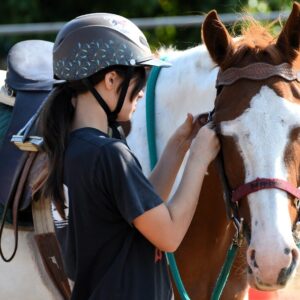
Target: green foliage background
[{"x": 32, "y": 11}]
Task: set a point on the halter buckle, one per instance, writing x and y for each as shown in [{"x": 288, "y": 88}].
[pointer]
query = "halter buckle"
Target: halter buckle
[{"x": 239, "y": 235}]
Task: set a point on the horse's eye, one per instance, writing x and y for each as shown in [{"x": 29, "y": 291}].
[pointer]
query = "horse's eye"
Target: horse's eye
[{"x": 219, "y": 89}]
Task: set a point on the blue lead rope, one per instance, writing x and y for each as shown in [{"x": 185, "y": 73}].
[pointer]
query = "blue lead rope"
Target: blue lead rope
[{"x": 150, "y": 121}]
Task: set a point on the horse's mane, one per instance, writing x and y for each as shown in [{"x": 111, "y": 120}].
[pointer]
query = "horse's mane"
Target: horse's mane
[
  {"x": 256, "y": 42},
  {"x": 165, "y": 51}
]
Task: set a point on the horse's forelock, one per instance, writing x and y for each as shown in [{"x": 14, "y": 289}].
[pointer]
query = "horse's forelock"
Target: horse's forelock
[
  {"x": 255, "y": 34},
  {"x": 256, "y": 42}
]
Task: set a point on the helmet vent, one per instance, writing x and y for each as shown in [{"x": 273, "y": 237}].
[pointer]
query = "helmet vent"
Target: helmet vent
[{"x": 143, "y": 41}]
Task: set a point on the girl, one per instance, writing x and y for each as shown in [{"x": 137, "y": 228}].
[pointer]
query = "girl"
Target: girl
[{"x": 116, "y": 221}]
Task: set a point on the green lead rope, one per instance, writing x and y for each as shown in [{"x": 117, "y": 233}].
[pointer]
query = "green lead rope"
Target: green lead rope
[
  {"x": 223, "y": 276},
  {"x": 150, "y": 121}
]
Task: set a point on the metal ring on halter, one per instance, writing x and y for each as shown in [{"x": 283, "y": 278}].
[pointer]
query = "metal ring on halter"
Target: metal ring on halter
[
  {"x": 210, "y": 115},
  {"x": 239, "y": 226}
]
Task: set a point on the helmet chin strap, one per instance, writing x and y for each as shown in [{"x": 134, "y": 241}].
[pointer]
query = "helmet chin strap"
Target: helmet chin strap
[
  {"x": 98, "y": 97},
  {"x": 111, "y": 115}
]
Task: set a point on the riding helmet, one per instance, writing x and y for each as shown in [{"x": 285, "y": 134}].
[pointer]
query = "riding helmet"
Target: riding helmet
[{"x": 92, "y": 42}]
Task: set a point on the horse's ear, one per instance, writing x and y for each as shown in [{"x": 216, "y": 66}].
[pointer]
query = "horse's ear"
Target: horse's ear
[
  {"x": 216, "y": 37},
  {"x": 288, "y": 41}
]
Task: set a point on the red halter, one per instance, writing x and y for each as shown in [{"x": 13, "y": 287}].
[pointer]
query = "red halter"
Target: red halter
[{"x": 262, "y": 184}]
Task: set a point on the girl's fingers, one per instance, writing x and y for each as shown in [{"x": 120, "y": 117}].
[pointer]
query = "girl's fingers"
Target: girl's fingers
[{"x": 211, "y": 125}]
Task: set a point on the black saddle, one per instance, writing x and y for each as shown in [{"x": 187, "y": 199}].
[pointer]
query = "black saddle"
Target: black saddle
[{"x": 30, "y": 78}]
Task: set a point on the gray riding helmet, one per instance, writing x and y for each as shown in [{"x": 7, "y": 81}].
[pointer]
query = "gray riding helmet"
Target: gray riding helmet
[{"x": 92, "y": 42}]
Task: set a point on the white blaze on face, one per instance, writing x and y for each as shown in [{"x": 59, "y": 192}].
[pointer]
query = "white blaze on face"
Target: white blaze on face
[{"x": 261, "y": 134}]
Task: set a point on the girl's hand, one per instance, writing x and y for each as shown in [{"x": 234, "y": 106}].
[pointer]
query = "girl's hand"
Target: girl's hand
[
  {"x": 206, "y": 144},
  {"x": 186, "y": 132}
]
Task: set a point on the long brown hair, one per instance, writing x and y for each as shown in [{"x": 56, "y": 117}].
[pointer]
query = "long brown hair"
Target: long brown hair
[{"x": 54, "y": 124}]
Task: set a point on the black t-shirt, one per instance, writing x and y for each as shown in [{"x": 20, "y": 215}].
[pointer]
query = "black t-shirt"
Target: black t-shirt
[{"x": 106, "y": 256}]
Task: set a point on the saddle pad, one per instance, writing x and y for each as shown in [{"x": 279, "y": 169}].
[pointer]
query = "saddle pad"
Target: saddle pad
[
  {"x": 11, "y": 158},
  {"x": 5, "y": 116},
  {"x": 30, "y": 75}
]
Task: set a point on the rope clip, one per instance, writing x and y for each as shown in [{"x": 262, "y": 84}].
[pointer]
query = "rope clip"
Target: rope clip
[{"x": 239, "y": 235}]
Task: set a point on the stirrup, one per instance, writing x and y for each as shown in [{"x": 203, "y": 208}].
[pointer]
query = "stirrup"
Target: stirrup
[
  {"x": 26, "y": 142},
  {"x": 32, "y": 143}
]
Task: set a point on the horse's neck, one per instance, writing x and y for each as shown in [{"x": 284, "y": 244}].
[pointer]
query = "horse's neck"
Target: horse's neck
[{"x": 186, "y": 87}]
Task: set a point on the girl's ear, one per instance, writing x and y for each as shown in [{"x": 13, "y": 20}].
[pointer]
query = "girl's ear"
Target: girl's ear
[{"x": 110, "y": 80}]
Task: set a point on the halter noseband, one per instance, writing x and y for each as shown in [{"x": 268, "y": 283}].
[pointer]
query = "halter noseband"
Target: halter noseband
[{"x": 264, "y": 183}]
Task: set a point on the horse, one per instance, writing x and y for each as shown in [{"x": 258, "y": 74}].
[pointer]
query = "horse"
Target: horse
[
  {"x": 188, "y": 86},
  {"x": 257, "y": 118}
]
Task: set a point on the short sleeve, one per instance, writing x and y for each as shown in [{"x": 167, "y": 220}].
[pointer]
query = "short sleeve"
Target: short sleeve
[{"x": 119, "y": 173}]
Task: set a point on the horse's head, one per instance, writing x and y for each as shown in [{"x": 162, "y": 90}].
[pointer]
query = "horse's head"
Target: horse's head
[{"x": 257, "y": 111}]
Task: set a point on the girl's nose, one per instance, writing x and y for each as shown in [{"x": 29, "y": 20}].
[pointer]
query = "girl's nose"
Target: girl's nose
[{"x": 141, "y": 93}]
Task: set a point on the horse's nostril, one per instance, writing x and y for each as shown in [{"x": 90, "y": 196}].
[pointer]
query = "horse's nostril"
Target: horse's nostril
[
  {"x": 285, "y": 273},
  {"x": 295, "y": 254},
  {"x": 250, "y": 270},
  {"x": 287, "y": 251},
  {"x": 252, "y": 255}
]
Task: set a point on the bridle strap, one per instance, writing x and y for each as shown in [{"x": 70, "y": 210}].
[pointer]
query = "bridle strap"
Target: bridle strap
[
  {"x": 257, "y": 71},
  {"x": 262, "y": 184},
  {"x": 122, "y": 96}
]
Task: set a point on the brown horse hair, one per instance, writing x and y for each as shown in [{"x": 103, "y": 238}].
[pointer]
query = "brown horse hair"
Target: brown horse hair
[
  {"x": 256, "y": 42},
  {"x": 54, "y": 124}
]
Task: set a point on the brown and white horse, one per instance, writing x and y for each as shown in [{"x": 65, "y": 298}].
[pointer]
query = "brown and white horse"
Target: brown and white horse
[{"x": 257, "y": 114}]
